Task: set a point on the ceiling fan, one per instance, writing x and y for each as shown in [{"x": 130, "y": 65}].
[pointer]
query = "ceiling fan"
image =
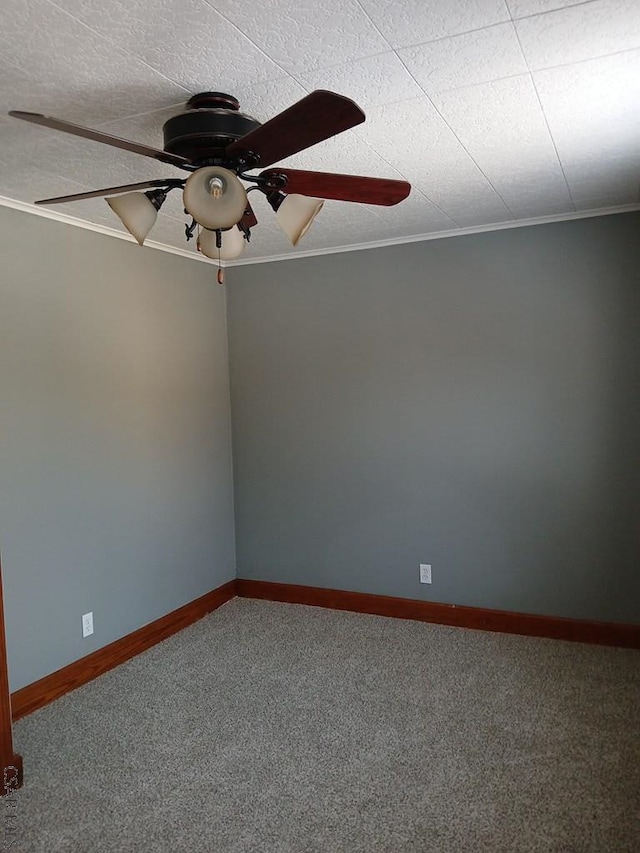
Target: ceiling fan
[{"x": 219, "y": 145}]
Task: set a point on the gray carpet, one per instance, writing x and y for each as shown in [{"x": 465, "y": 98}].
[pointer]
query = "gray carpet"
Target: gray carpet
[{"x": 272, "y": 727}]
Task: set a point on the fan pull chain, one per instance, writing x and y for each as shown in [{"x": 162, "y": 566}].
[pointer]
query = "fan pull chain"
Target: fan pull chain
[{"x": 219, "y": 246}]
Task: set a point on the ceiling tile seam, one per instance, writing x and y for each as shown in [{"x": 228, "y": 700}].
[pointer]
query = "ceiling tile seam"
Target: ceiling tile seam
[
  {"x": 343, "y": 63},
  {"x": 437, "y": 207},
  {"x": 550, "y": 11},
  {"x": 177, "y": 106},
  {"x": 533, "y": 71},
  {"x": 112, "y": 43},
  {"x": 454, "y": 35},
  {"x": 553, "y": 142},
  {"x": 440, "y": 38},
  {"x": 298, "y": 78},
  {"x": 455, "y": 135},
  {"x": 414, "y": 191},
  {"x": 438, "y": 112},
  {"x": 373, "y": 23},
  {"x": 544, "y": 115},
  {"x": 583, "y": 61},
  {"x": 251, "y": 41},
  {"x": 52, "y": 170},
  {"x": 361, "y": 139},
  {"x": 173, "y": 218},
  {"x": 354, "y": 62},
  {"x": 6, "y": 60},
  {"x": 481, "y": 83}
]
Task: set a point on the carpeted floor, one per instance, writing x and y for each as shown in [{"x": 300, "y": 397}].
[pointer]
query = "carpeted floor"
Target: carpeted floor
[{"x": 267, "y": 728}]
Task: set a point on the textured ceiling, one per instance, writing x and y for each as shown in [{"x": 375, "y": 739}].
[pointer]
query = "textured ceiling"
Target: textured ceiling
[{"x": 494, "y": 110}]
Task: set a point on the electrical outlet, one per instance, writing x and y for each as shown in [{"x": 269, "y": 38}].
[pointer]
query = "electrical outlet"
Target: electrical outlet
[
  {"x": 87, "y": 624},
  {"x": 425, "y": 573}
]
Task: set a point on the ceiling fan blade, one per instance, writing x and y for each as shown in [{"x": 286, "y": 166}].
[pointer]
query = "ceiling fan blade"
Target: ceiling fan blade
[
  {"x": 341, "y": 187},
  {"x": 143, "y": 185},
  {"x": 249, "y": 219},
  {"x": 316, "y": 117},
  {"x": 98, "y": 136}
]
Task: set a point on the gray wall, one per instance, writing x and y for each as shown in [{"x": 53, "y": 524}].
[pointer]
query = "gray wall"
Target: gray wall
[
  {"x": 115, "y": 449},
  {"x": 472, "y": 403}
]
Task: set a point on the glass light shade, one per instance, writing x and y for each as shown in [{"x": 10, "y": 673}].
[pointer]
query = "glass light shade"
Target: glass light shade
[
  {"x": 214, "y": 197},
  {"x": 136, "y": 212},
  {"x": 295, "y": 215},
  {"x": 233, "y": 244}
]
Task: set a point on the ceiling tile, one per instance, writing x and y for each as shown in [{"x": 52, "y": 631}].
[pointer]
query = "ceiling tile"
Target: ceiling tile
[
  {"x": 266, "y": 99},
  {"x": 463, "y": 60},
  {"x": 301, "y": 38},
  {"x": 580, "y": 32},
  {"x": 260, "y": 100},
  {"x": 502, "y": 127},
  {"x": 486, "y": 157},
  {"x": 408, "y": 22},
  {"x": 430, "y": 156},
  {"x": 90, "y": 163},
  {"x": 593, "y": 103},
  {"x": 593, "y": 112},
  {"x": 74, "y": 164},
  {"x": 145, "y": 127},
  {"x": 336, "y": 225},
  {"x": 370, "y": 82},
  {"x": 522, "y": 8},
  {"x": 415, "y": 215},
  {"x": 604, "y": 201},
  {"x": 347, "y": 153},
  {"x": 615, "y": 178},
  {"x": 542, "y": 200},
  {"x": 96, "y": 165},
  {"x": 30, "y": 184},
  {"x": 21, "y": 89},
  {"x": 59, "y": 54},
  {"x": 23, "y": 144},
  {"x": 188, "y": 42},
  {"x": 470, "y": 210}
]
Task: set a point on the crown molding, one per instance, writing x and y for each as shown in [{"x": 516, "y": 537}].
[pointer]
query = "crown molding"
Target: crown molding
[
  {"x": 46, "y": 213},
  {"x": 440, "y": 235},
  {"x": 27, "y": 207}
]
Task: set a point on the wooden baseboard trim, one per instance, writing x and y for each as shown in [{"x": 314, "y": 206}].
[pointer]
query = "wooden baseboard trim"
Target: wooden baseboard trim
[
  {"x": 45, "y": 690},
  {"x": 504, "y": 621},
  {"x": 51, "y": 687}
]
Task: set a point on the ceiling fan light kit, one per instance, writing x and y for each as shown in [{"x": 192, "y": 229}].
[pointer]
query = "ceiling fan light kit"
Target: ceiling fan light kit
[
  {"x": 232, "y": 244},
  {"x": 214, "y": 197},
  {"x": 138, "y": 211},
  {"x": 295, "y": 213},
  {"x": 220, "y": 146}
]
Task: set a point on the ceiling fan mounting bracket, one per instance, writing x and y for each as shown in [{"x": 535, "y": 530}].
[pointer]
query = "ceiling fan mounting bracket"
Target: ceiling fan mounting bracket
[
  {"x": 211, "y": 122},
  {"x": 207, "y": 100}
]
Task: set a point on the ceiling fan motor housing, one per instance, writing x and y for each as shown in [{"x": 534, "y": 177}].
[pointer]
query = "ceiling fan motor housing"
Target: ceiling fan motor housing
[{"x": 211, "y": 122}]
